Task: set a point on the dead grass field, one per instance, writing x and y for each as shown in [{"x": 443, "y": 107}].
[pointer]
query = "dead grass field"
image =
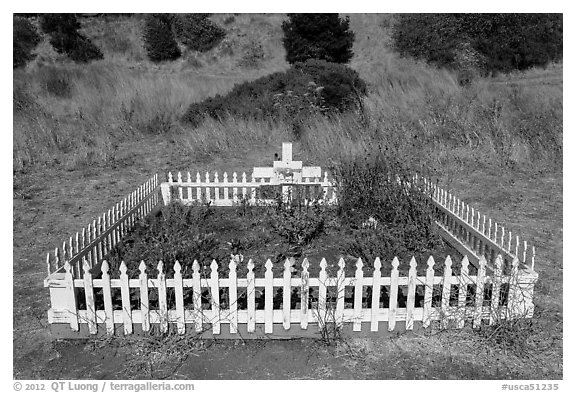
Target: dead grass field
[{"x": 97, "y": 144}]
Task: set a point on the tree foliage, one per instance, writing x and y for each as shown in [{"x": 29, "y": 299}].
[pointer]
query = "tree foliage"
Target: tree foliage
[
  {"x": 317, "y": 36},
  {"x": 65, "y": 37},
  {"x": 25, "y": 39},
  {"x": 159, "y": 39},
  {"x": 500, "y": 42},
  {"x": 197, "y": 32},
  {"x": 308, "y": 88}
]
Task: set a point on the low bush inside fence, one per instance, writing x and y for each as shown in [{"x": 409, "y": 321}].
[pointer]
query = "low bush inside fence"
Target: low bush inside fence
[{"x": 204, "y": 233}]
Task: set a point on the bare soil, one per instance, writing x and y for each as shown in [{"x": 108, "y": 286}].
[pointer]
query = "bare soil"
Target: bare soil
[{"x": 52, "y": 203}]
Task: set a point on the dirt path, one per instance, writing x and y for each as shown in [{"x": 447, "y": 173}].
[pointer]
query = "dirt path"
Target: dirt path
[{"x": 50, "y": 204}]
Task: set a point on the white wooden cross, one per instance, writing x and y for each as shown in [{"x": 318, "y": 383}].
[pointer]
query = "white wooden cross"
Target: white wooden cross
[{"x": 286, "y": 170}]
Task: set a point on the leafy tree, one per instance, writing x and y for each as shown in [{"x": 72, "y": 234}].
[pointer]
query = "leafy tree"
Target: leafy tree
[
  {"x": 59, "y": 23},
  {"x": 500, "y": 42},
  {"x": 197, "y": 32},
  {"x": 159, "y": 39},
  {"x": 317, "y": 36},
  {"x": 65, "y": 38},
  {"x": 25, "y": 39}
]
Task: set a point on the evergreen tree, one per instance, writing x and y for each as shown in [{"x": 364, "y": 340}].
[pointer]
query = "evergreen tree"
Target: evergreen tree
[
  {"x": 65, "y": 37},
  {"x": 159, "y": 39},
  {"x": 25, "y": 39},
  {"x": 317, "y": 36},
  {"x": 503, "y": 42}
]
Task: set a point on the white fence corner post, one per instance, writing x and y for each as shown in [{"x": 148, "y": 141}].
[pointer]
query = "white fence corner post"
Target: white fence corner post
[
  {"x": 165, "y": 188},
  {"x": 521, "y": 294}
]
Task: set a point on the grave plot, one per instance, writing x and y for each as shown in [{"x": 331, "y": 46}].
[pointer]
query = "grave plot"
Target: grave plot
[{"x": 270, "y": 257}]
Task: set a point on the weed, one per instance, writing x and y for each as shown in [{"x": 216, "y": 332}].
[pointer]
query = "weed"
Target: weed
[
  {"x": 378, "y": 189},
  {"x": 229, "y": 19},
  {"x": 298, "y": 226},
  {"x": 175, "y": 234},
  {"x": 56, "y": 82},
  {"x": 253, "y": 55}
]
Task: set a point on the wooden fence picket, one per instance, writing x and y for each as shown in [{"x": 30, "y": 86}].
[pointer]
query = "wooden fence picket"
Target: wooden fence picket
[
  {"x": 496, "y": 284},
  {"x": 393, "y": 305},
  {"x": 125, "y": 294},
  {"x": 269, "y": 298},
  {"x": 233, "y": 296},
  {"x": 376, "y": 284},
  {"x": 357, "y": 321},
  {"x": 96, "y": 257},
  {"x": 207, "y": 181},
  {"x": 162, "y": 298},
  {"x": 71, "y": 297},
  {"x": 513, "y": 299},
  {"x": 89, "y": 294},
  {"x": 251, "y": 293},
  {"x": 428, "y": 291},
  {"x": 107, "y": 290},
  {"x": 225, "y": 195},
  {"x": 198, "y": 188},
  {"x": 341, "y": 291},
  {"x": 462, "y": 292},
  {"x": 179, "y": 295},
  {"x": 234, "y": 188},
  {"x": 322, "y": 289},
  {"x": 215, "y": 297},
  {"x": 144, "y": 304},
  {"x": 286, "y": 293},
  {"x": 180, "y": 188},
  {"x": 411, "y": 295},
  {"x": 304, "y": 294},
  {"x": 253, "y": 191},
  {"x": 244, "y": 190},
  {"x": 197, "y": 296},
  {"x": 446, "y": 289},
  {"x": 479, "y": 301},
  {"x": 216, "y": 189}
]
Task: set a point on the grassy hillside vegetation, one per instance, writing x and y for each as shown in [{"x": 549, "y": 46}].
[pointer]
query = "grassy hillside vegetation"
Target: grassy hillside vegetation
[{"x": 78, "y": 114}]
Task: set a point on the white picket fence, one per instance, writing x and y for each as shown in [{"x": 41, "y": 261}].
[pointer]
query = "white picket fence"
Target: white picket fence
[
  {"x": 498, "y": 256},
  {"x": 472, "y": 234},
  {"x": 508, "y": 298},
  {"x": 230, "y": 191},
  {"x": 94, "y": 242}
]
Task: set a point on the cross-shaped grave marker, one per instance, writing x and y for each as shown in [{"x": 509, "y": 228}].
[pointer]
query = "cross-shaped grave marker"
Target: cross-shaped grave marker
[{"x": 287, "y": 172}]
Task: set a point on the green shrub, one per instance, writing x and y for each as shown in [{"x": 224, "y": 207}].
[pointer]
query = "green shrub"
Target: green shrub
[
  {"x": 253, "y": 55},
  {"x": 317, "y": 36},
  {"x": 378, "y": 186},
  {"x": 500, "y": 42},
  {"x": 65, "y": 38},
  {"x": 176, "y": 234},
  {"x": 197, "y": 32},
  {"x": 342, "y": 87},
  {"x": 25, "y": 39},
  {"x": 59, "y": 23},
  {"x": 56, "y": 82},
  {"x": 159, "y": 39},
  {"x": 299, "y": 226},
  {"x": 307, "y": 88},
  {"x": 23, "y": 102}
]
